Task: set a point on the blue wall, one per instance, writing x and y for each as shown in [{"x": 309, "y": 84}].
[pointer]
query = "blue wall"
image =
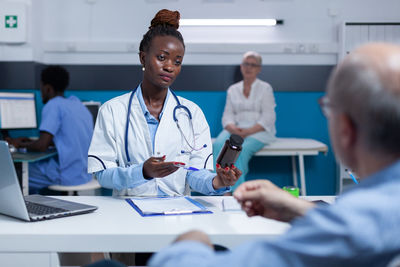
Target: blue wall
[{"x": 298, "y": 115}]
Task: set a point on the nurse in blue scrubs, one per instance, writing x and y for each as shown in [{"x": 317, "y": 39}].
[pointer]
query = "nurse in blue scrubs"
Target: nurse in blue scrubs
[{"x": 66, "y": 124}]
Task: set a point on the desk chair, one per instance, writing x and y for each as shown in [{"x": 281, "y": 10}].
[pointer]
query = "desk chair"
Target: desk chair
[{"x": 74, "y": 189}]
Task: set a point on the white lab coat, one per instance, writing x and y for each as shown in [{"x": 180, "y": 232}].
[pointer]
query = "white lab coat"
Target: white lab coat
[{"x": 108, "y": 142}]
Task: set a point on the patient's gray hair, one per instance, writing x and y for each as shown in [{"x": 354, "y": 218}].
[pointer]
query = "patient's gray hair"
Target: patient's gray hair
[
  {"x": 254, "y": 55},
  {"x": 370, "y": 94}
]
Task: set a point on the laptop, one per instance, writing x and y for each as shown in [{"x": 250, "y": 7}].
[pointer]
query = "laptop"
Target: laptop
[{"x": 34, "y": 207}]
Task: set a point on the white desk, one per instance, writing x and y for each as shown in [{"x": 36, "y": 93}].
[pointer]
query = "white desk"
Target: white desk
[
  {"x": 117, "y": 227},
  {"x": 295, "y": 147}
]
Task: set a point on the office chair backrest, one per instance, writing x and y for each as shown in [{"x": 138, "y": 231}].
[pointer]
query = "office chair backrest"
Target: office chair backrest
[{"x": 93, "y": 107}]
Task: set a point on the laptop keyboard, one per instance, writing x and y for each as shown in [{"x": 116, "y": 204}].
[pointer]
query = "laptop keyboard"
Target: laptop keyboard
[{"x": 40, "y": 209}]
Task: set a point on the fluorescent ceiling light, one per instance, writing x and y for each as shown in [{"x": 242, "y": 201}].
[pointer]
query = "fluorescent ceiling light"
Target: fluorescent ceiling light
[{"x": 229, "y": 22}]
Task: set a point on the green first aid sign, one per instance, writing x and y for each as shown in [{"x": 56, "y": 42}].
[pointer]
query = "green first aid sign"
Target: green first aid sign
[{"x": 11, "y": 21}]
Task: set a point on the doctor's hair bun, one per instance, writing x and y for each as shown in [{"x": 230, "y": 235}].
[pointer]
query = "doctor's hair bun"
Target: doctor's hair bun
[
  {"x": 166, "y": 17},
  {"x": 164, "y": 23}
]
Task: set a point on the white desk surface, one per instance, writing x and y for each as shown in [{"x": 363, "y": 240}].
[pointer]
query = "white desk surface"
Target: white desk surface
[{"x": 117, "y": 227}]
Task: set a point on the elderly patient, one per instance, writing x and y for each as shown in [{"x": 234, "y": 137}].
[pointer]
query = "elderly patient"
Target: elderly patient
[
  {"x": 249, "y": 112},
  {"x": 362, "y": 106}
]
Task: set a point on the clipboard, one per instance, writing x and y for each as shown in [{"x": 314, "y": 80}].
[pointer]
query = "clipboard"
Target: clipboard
[{"x": 166, "y": 206}]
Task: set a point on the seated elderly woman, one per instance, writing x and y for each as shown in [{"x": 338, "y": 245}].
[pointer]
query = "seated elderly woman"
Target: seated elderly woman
[{"x": 249, "y": 112}]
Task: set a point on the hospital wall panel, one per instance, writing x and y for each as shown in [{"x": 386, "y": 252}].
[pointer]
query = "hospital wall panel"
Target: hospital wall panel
[
  {"x": 25, "y": 75},
  {"x": 298, "y": 115},
  {"x": 297, "y": 89}
]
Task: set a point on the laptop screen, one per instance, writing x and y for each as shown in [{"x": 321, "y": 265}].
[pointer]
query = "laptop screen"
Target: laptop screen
[{"x": 13, "y": 203}]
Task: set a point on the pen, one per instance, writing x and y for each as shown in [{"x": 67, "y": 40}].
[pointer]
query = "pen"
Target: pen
[
  {"x": 352, "y": 176},
  {"x": 191, "y": 168},
  {"x": 182, "y": 165},
  {"x": 179, "y": 212}
]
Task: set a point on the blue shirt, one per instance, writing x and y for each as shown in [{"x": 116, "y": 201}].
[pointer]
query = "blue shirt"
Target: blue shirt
[
  {"x": 362, "y": 228},
  {"x": 120, "y": 178},
  {"x": 71, "y": 125},
  {"x": 152, "y": 122}
]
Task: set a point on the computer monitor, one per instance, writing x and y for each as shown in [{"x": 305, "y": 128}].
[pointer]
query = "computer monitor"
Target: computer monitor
[
  {"x": 17, "y": 111},
  {"x": 93, "y": 107}
]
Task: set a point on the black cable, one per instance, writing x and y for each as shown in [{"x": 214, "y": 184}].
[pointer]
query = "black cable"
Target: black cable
[{"x": 205, "y": 163}]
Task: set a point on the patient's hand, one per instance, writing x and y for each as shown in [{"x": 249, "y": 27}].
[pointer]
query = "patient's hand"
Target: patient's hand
[
  {"x": 261, "y": 197},
  {"x": 233, "y": 129}
]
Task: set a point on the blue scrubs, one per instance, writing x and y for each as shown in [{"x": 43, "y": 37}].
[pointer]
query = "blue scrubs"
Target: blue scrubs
[{"x": 71, "y": 125}]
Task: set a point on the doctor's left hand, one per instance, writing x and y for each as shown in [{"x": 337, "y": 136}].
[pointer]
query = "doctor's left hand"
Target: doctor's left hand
[
  {"x": 226, "y": 177},
  {"x": 157, "y": 167}
]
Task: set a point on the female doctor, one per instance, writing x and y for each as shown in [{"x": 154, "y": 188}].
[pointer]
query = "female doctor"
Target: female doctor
[{"x": 139, "y": 137}]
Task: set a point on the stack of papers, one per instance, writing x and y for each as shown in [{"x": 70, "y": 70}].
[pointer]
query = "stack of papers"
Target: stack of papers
[
  {"x": 153, "y": 206},
  {"x": 230, "y": 204}
]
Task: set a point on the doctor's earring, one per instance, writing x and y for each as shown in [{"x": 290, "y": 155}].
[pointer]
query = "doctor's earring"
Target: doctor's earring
[{"x": 143, "y": 68}]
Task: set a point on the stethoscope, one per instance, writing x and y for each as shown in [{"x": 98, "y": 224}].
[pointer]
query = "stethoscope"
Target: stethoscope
[{"x": 177, "y": 107}]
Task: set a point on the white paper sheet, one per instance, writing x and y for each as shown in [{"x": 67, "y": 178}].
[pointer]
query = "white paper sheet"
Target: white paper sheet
[
  {"x": 230, "y": 204},
  {"x": 166, "y": 205}
]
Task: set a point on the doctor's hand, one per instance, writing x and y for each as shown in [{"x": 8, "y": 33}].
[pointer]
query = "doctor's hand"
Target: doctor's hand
[
  {"x": 261, "y": 197},
  {"x": 157, "y": 167},
  {"x": 226, "y": 177}
]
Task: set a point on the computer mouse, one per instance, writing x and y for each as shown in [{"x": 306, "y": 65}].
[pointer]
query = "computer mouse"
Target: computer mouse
[{"x": 12, "y": 148}]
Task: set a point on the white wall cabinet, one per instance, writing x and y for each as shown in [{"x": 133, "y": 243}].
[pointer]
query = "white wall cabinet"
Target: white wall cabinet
[{"x": 352, "y": 35}]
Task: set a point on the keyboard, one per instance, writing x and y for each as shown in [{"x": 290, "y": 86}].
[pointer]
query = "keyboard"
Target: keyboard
[{"x": 40, "y": 209}]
